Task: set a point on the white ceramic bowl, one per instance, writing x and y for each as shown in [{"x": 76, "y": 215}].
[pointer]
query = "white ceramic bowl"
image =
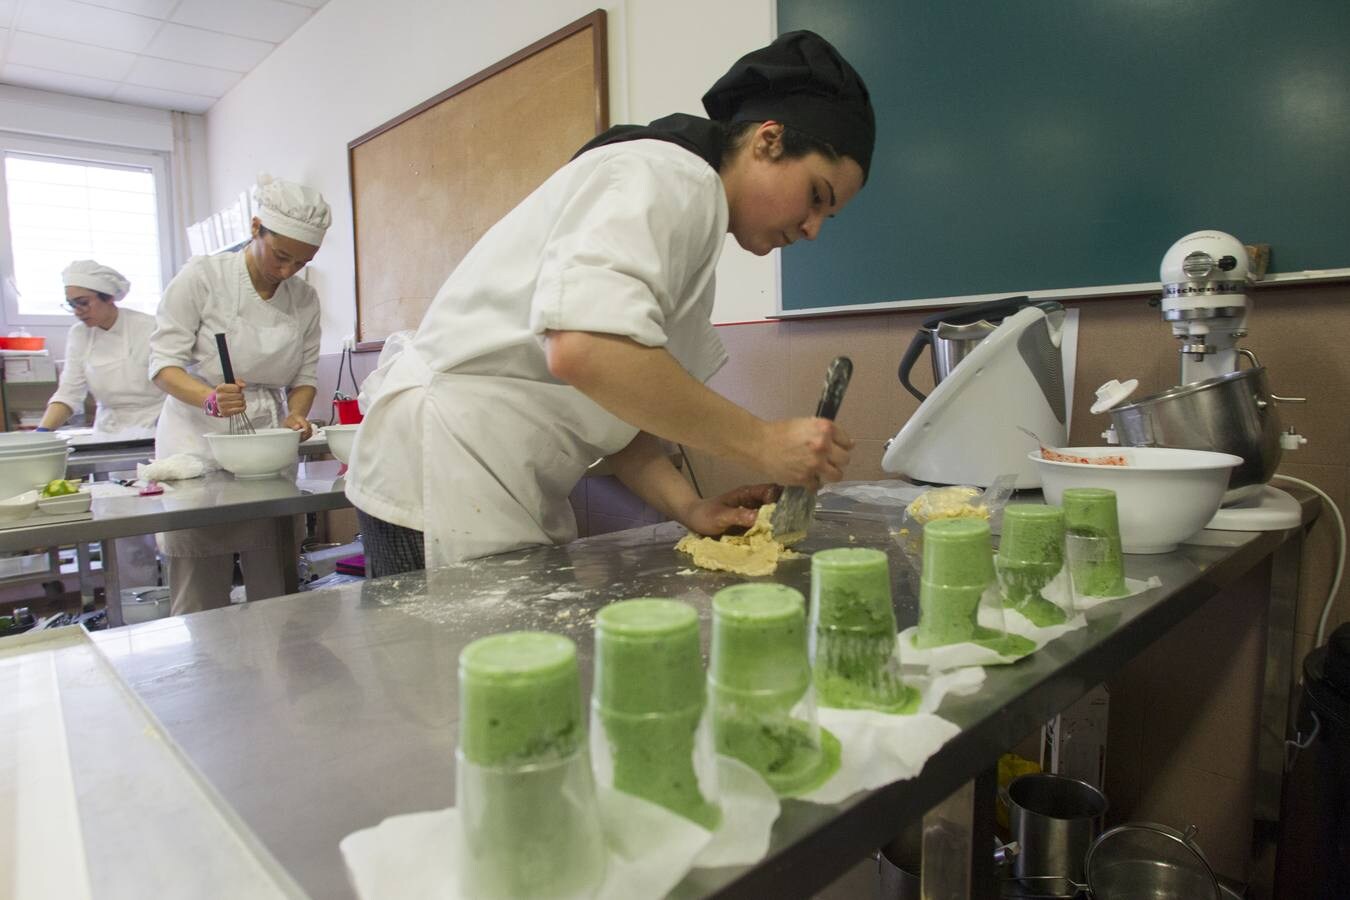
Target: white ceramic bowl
[
  {"x": 1163, "y": 496},
  {"x": 340, "y": 439},
  {"x": 260, "y": 455},
  {"x": 20, "y": 472}
]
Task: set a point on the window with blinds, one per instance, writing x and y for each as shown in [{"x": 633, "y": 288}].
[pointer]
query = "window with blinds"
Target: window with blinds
[{"x": 61, "y": 210}]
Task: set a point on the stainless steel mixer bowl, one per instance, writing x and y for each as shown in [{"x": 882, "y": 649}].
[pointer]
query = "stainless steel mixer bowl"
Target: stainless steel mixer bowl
[{"x": 1233, "y": 413}]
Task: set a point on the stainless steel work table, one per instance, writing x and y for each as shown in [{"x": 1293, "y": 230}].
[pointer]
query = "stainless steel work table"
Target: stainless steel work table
[
  {"x": 215, "y": 499},
  {"x": 324, "y": 713}
]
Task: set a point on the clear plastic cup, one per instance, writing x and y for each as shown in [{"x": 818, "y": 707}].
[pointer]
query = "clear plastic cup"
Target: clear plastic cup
[
  {"x": 523, "y": 784},
  {"x": 1030, "y": 564},
  {"x": 954, "y": 586},
  {"x": 1095, "y": 565},
  {"x": 855, "y": 655},
  {"x": 764, "y": 711},
  {"x": 648, "y": 736},
  {"x": 1092, "y": 523}
]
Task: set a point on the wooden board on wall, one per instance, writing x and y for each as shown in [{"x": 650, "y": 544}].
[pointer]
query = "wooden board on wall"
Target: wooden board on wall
[{"x": 427, "y": 184}]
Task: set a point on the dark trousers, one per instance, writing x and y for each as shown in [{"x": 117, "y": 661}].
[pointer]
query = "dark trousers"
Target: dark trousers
[{"x": 390, "y": 549}]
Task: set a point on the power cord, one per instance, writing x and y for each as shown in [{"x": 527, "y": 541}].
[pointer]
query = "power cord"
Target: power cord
[{"x": 1340, "y": 551}]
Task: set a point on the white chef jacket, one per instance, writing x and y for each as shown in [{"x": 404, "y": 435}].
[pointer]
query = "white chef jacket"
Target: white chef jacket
[
  {"x": 274, "y": 346},
  {"x": 469, "y": 438},
  {"x": 110, "y": 364}
]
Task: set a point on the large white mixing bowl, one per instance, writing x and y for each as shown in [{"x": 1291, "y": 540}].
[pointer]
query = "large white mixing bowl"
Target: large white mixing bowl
[
  {"x": 20, "y": 472},
  {"x": 340, "y": 439},
  {"x": 1163, "y": 496},
  {"x": 260, "y": 455}
]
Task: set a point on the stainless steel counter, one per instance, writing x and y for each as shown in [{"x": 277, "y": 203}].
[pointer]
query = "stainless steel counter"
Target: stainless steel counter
[
  {"x": 323, "y": 713},
  {"x": 215, "y": 499}
]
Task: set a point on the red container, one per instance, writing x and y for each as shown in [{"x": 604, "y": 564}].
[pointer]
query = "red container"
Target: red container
[
  {"x": 348, "y": 412},
  {"x": 23, "y": 343}
]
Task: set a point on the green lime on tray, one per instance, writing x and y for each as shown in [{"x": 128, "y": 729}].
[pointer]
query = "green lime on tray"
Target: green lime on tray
[{"x": 59, "y": 487}]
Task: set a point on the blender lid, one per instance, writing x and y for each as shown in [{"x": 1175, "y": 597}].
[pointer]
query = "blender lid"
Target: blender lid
[
  {"x": 1114, "y": 393},
  {"x": 1147, "y": 859}
]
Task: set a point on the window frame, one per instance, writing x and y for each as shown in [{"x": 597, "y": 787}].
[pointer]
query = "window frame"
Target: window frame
[{"x": 65, "y": 150}]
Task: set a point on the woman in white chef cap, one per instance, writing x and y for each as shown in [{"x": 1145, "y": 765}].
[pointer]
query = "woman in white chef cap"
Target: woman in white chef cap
[
  {"x": 271, "y": 322},
  {"x": 106, "y": 355},
  {"x": 578, "y": 327}
]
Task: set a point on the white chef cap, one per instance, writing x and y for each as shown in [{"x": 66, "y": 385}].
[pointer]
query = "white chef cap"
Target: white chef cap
[
  {"x": 292, "y": 209},
  {"x": 86, "y": 273}
]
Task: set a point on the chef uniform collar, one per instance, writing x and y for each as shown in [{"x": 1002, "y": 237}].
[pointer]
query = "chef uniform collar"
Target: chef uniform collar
[{"x": 803, "y": 82}]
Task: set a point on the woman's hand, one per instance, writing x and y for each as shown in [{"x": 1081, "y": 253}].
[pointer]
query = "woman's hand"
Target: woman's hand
[
  {"x": 805, "y": 452},
  {"x": 736, "y": 508},
  {"x": 230, "y": 399},
  {"x": 297, "y": 422}
]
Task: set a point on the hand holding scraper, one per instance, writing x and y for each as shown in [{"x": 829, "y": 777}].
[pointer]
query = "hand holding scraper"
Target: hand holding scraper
[{"x": 792, "y": 517}]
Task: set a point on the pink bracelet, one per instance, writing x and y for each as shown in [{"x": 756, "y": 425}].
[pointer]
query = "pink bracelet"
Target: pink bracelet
[{"x": 211, "y": 405}]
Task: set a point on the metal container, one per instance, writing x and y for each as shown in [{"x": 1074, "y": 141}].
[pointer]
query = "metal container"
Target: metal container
[
  {"x": 1055, "y": 820},
  {"x": 1144, "y": 859},
  {"x": 898, "y": 865},
  {"x": 951, "y": 335},
  {"x": 1233, "y": 413}
]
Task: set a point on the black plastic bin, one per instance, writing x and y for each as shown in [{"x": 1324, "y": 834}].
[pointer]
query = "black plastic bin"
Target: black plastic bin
[{"x": 1313, "y": 860}]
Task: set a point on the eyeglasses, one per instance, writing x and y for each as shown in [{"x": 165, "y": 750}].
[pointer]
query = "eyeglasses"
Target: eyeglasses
[{"x": 78, "y": 304}]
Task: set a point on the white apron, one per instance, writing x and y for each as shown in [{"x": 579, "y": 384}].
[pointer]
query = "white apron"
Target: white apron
[
  {"x": 499, "y": 456},
  {"x": 264, "y": 348},
  {"x": 124, "y": 405}
]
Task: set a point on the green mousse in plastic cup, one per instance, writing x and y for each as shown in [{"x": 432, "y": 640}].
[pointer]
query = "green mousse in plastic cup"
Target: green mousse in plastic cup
[
  {"x": 759, "y": 642},
  {"x": 1098, "y": 569},
  {"x": 1030, "y": 555},
  {"x": 523, "y": 785},
  {"x": 759, "y": 673},
  {"x": 520, "y": 699},
  {"x": 649, "y": 697},
  {"x": 855, "y": 650},
  {"x": 958, "y": 564}
]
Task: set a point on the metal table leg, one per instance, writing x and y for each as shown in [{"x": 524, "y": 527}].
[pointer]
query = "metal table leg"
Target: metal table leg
[
  {"x": 1282, "y": 672},
  {"x": 958, "y": 844},
  {"x": 85, "y": 569},
  {"x": 288, "y": 554},
  {"x": 112, "y": 584}
]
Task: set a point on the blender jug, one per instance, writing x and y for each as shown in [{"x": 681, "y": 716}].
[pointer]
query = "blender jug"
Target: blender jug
[{"x": 952, "y": 334}]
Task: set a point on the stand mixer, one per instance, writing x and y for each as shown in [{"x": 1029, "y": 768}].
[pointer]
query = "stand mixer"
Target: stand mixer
[{"x": 1218, "y": 405}]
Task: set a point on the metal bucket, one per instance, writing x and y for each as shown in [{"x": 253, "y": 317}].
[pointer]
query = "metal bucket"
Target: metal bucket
[
  {"x": 1055, "y": 820},
  {"x": 1234, "y": 413}
]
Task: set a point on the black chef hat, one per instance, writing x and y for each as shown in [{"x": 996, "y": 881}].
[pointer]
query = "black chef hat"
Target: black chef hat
[{"x": 803, "y": 82}]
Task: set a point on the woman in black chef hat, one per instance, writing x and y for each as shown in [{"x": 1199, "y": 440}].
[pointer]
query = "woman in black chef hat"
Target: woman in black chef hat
[{"x": 579, "y": 326}]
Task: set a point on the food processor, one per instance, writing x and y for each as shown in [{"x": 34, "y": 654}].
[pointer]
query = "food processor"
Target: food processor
[
  {"x": 1219, "y": 404},
  {"x": 968, "y": 430}
]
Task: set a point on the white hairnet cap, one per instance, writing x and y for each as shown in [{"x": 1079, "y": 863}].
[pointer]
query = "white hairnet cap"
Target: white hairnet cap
[
  {"x": 87, "y": 273},
  {"x": 292, "y": 209}
]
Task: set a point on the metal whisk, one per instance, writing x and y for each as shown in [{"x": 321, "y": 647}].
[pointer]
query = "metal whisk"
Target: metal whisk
[{"x": 239, "y": 423}]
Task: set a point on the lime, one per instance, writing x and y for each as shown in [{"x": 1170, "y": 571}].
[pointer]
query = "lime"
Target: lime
[{"x": 59, "y": 487}]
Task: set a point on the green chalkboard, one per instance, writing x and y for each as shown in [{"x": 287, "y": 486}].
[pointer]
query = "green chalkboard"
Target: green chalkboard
[{"x": 1053, "y": 145}]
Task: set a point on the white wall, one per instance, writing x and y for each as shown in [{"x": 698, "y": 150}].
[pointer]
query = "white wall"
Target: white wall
[{"x": 355, "y": 65}]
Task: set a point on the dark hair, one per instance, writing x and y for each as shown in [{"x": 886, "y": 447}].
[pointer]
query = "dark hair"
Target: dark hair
[
  {"x": 106, "y": 298},
  {"x": 263, "y": 230},
  {"x": 796, "y": 144}
]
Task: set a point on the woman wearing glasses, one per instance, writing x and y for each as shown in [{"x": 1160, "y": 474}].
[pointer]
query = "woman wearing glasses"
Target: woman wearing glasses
[
  {"x": 107, "y": 353},
  {"x": 271, "y": 323}
]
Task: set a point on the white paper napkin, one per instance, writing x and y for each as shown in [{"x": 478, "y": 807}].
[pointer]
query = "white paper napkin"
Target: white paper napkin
[
  {"x": 749, "y": 809},
  {"x": 879, "y": 748},
  {"x": 416, "y": 856},
  {"x": 175, "y": 468},
  {"x": 1133, "y": 586}
]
